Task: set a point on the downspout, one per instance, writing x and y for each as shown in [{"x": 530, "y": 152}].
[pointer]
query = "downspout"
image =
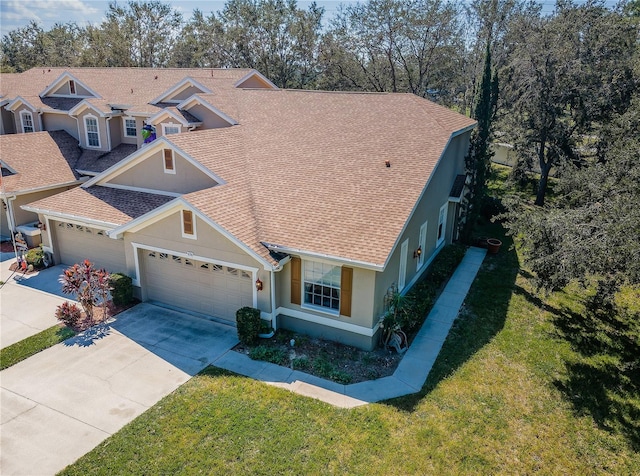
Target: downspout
[
  {"x": 272, "y": 284},
  {"x": 108, "y": 132},
  {"x": 39, "y": 111}
]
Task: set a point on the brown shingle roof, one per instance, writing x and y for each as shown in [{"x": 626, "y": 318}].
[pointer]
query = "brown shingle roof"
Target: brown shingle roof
[
  {"x": 40, "y": 159},
  {"x": 133, "y": 86},
  {"x": 102, "y": 204},
  {"x": 306, "y": 170}
]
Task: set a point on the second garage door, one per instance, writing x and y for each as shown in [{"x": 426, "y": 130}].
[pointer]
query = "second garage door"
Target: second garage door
[
  {"x": 203, "y": 287},
  {"x": 77, "y": 243}
]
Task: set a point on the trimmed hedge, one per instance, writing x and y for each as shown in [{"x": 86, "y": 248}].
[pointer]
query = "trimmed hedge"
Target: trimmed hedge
[
  {"x": 121, "y": 289},
  {"x": 249, "y": 324}
]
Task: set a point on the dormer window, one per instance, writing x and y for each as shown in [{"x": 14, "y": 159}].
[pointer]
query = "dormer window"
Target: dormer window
[
  {"x": 92, "y": 132},
  {"x": 72, "y": 87},
  {"x": 26, "y": 118},
  {"x": 169, "y": 165},
  {"x": 170, "y": 128}
]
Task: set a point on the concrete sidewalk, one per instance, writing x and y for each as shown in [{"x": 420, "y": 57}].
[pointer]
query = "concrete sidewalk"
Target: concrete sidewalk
[{"x": 412, "y": 371}]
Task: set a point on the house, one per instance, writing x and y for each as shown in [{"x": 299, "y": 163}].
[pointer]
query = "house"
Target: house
[
  {"x": 24, "y": 179},
  {"x": 311, "y": 206},
  {"x": 103, "y": 110}
]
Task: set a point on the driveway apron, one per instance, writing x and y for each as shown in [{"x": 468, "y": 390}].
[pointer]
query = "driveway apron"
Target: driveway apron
[{"x": 60, "y": 403}]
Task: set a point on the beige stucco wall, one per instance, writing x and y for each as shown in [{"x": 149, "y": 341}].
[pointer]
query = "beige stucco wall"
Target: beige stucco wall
[
  {"x": 8, "y": 122},
  {"x": 167, "y": 235},
  {"x": 60, "y": 122},
  {"x": 186, "y": 94},
  {"x": 361, "y": 297},
  {"x": 115, "y": 131},
  {"x": 428, "y": 209},
  {"x": 18, "y": 120},
  {"x": 209, "y": 119},
  {"x": 64, "y": 90},
  {"x": 102, "y": 129},
  {"x": 150, "y": 174}
]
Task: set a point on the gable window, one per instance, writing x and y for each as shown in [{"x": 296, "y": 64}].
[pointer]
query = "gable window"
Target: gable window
[
  {"x": 91, "y": 129},
  {"x": 27, "y": 121},
  {"x": 169, "y": 164},
  {"x": 72, "y": 87},
  {"x": 170, "y": 128},
  {"x": 442, "y": 224},
  {"x": 130, "y": 127},
  {"x": 188, "y": 224}
]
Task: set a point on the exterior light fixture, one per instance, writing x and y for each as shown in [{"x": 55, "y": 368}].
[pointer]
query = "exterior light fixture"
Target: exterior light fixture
[
  {"x": 258, "y": 285},
  {"x": 418, "y": 252}
]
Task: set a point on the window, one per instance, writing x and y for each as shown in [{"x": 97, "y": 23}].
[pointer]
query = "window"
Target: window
[
  {"x": 402, "y": 276},
  {"x": 422, "y": 244},
  {"x": 322, "y": 285},
  {"x": 72, "y": 87},
  {"x": 27, "y": 121},
  {"x": 169, "y": 166},
  {"x": 170, "y": 128},
  {"x": 442, "y": 224},
  {"x": 188, "y": 226},
  {"x": 130, "y": 127},
  {"x": 93, "y": 136}
]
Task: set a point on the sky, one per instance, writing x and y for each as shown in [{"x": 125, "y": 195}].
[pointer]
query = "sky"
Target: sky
[{"x": 18, "y": 13}]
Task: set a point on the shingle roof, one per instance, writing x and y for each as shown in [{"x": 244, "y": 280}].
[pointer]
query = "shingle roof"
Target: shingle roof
[
  {"x": 132, "y": 86},
  {"x": 40, "y": 159},
  {"x": 102, "y": 204},
  {"x": 306, "y": 170},
  {"x": 98, "y": 161}
]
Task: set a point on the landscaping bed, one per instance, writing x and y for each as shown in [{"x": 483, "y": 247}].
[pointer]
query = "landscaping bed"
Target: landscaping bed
[{"x": 346, "y": 364}]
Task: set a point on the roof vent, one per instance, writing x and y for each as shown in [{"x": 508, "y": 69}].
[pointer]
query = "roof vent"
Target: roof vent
[{"x": 387, "y": 163}]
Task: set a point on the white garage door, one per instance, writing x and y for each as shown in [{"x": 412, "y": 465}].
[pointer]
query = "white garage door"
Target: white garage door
[
  {"x": 77, "y": 243},
  {"x": 207, "y": 288}
]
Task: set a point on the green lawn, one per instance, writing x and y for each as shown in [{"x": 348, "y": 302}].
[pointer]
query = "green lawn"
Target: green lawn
[
  {"x": 511, "y": 393},
  {"x": 19, "y": 351}
]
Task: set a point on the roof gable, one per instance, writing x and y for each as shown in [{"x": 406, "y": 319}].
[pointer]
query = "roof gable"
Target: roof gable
[
  {"x": 17, "y": 102},
  {"x": 255, "y": 80},
  {"x": 61, "y": 87},
  {"x": 173, "y": 95},
  {"x": 194, "y": 100},
  {"x": 143, "y": 170}
]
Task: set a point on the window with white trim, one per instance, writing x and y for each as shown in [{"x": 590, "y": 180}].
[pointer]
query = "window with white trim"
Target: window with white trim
[
  {"x": 321, "y": 283},
  {"x": 442, "y": 224},
  {"x": 130, "y": 129},
  {"x": 422, "y": 245},
  {"x": 402, "y": 273},
  {"x": 92, "y": 132},
  {"x": 26, "y": 118},
  {"x": 170, "y": 128}
]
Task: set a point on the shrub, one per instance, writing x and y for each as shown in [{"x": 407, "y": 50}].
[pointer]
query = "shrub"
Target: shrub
[
  {"x": 248, "y": 323},
  {"x": 340, "y": 377},
  {"x": 69, "y": 313},
  {"x": 35, "y": 257},
  {"x": 121, "y": 289},
  {"x": 301, "y": 363},
  {"x": 268, "y": 354},
  {"x": 90, "y": 286}
]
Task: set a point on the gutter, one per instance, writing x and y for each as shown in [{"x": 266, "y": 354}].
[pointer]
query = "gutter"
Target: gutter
[{"x": 296, "y": 251}]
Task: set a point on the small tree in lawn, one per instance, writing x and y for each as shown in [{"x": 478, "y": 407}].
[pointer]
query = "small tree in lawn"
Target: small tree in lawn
[{"x": 90, "y": 286}]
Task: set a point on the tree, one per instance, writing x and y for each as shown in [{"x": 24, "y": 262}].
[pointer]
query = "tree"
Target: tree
[
  {"x": 89, "y": 285},
  {"x": 396, "y": 46},
  {"x": 593, "y": 229},
  {"x": 566, "y": 74}
]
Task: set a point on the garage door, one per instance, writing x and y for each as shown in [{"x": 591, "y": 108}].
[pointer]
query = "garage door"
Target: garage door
[
  {"x": 76, "y": 243},
  {"x": 207, "y": 288}
]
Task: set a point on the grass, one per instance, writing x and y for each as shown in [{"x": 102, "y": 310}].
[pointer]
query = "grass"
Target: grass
[
  {"x": 19, "y": 351},
  {"x": 512, "y": 392}
]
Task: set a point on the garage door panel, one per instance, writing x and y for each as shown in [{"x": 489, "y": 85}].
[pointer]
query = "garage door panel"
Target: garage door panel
[
  {"x": 206, "y": 288},
  {"x": 77, "y": 242}
]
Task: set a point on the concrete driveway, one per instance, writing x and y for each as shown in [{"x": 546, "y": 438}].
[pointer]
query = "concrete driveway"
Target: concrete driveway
[
  {"x": 60, "y": 403},
  {"x": 28, "y": 302}
]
